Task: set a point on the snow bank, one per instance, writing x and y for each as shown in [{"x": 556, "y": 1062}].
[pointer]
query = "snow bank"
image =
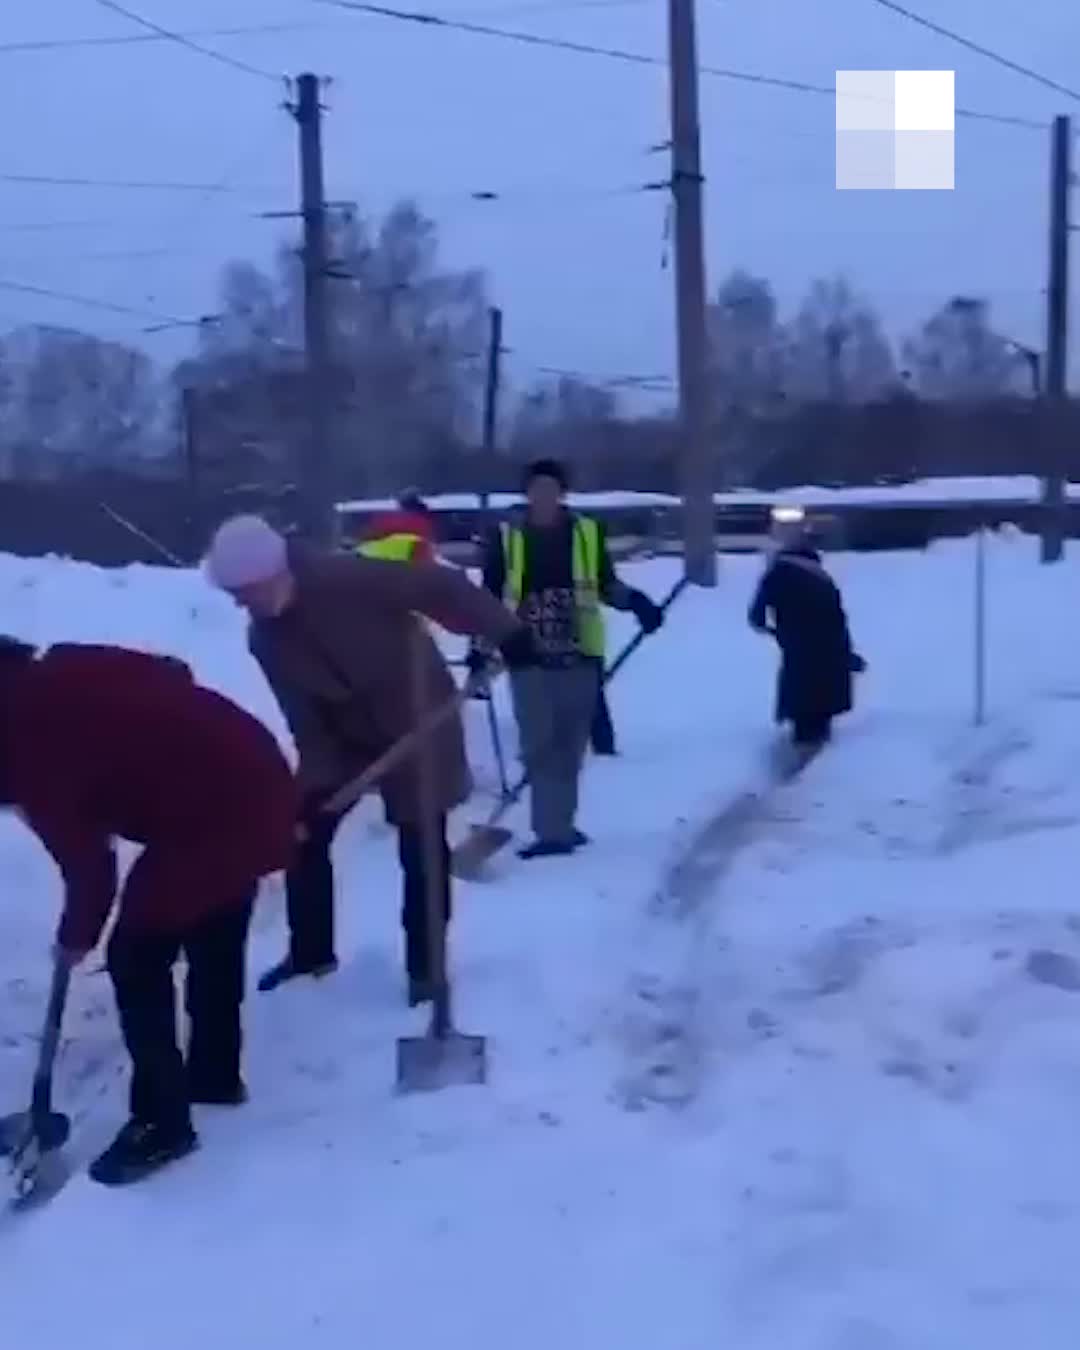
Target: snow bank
[{"x": 877, "y": 1148}]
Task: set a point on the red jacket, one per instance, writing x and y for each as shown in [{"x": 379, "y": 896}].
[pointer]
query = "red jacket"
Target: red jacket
[
  {"x": 98, "y": 743},
  {"x": 405, "y": 522}
]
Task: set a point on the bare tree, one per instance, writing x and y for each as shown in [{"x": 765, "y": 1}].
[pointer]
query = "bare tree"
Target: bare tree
[
  {"x": 747, "y": 345},
  {"x": 957, "y": 355},
  {"x": 837, "y": 351},
  {"x": 75, "y": 401}
]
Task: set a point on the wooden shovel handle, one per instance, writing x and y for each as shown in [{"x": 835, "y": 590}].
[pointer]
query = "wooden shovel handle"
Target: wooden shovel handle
[{"x": 356, "y": 788}]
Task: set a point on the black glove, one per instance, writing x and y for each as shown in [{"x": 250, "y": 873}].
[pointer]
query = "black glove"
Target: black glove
[
  {"x": 647, "y": 613},
  {"x": 519, "y": 649}
]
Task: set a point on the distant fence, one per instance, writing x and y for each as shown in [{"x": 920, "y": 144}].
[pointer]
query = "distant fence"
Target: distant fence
[{"x": 116, "y": 522}]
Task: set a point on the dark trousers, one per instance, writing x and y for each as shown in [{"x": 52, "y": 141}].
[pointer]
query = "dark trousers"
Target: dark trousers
[
  {"x": 811, "y": 730},
  {"x": 310, "y": 894},
  {"x": 141, "y": 967},
  {"x": 602, "y": 732}
]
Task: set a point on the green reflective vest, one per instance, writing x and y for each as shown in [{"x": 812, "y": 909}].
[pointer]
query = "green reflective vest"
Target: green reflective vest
[
  {"x": 391, "y": 548},
  {"x": 585, "y": 571}
]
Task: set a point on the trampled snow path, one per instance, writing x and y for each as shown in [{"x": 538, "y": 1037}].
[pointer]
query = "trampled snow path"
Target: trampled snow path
[{"x": 878, "y": 1153}]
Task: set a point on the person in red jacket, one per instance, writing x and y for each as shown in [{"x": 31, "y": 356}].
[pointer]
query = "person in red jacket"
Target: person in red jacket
[{"x": 99, "y": 744}]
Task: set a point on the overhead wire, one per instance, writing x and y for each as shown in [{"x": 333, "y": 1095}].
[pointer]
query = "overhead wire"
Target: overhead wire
[
  {"x": 141, "y": 39},
  {"x": 172, "y": 35},
  {"x": 934, "y": 27},
  {"x": 106, "y": 306},
  {"x": 127, "y": 184},
  {"x": 631, "y": 58}
]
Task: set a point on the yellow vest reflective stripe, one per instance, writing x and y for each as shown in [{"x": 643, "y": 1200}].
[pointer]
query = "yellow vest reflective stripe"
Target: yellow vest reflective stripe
[
  {"x": 585, "y": 571},
  {"x": 391, "y": 548}
]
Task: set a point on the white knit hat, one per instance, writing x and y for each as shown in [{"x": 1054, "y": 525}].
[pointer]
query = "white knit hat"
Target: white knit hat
[{"x": 245, "y": 551}]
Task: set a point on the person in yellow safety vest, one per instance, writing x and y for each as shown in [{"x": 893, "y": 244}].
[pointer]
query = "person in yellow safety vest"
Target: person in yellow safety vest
[
  {"x": 404, "y": 535},
  {"x": 551, "y": 567}
]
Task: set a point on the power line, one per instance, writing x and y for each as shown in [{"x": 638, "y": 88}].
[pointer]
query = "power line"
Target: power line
[
  {"x": 124, "y": 184},
  {"x": 547, "y": 7},
  {"x": 140, "y": 39},
  {"x": 170, "y": 35},
  {"x": 631, "y": 58},
  {"x": 24, "y": 288},
  {"x": 978, "y": 48}
]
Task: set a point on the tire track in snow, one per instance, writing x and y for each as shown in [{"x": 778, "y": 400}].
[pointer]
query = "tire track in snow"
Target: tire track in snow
[{"x": 661, "y": 1029}]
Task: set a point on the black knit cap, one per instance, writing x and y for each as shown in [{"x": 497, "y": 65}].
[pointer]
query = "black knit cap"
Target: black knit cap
[{"x": 548, "y": 468}]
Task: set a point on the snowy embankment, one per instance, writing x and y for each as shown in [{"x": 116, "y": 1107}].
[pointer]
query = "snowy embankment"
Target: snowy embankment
[{"x": 873, "y": 1142}]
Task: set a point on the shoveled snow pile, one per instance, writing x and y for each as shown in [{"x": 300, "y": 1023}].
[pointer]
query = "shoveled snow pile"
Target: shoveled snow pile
[{"x": 789, "y": 1068}]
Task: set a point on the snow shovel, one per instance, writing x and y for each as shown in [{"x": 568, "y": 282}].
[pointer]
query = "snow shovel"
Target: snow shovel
[
  {"x": 357, "y": 787},
  {"x": 484, "y": 841},
  {"x": 497, "y": 746},
  {"x": 30, "y": 1140},
  {"x": 443, "y": 1057}
]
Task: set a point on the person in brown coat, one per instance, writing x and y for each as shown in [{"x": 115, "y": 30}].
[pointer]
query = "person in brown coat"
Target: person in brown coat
[{"x": 354, "y": 670}]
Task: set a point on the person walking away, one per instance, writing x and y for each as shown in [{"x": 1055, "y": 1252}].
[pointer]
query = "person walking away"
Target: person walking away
[
  {"x": 801, "y": 606},
  {"x": 337, "y": 637},
  {"x": 99, "y": 743},
  {"x": 552, "y": 569},
  {"x": 405, "y": 535}
]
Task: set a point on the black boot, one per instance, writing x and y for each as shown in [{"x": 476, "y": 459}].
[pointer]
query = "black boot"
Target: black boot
[
  {"x": 547, "y": 848},
  {"x": 139, "y": 1150},
  {"x": 289, "y": 970},
  {"x": 420, "y": 992},
  {"x": 214, "y": 1094}
]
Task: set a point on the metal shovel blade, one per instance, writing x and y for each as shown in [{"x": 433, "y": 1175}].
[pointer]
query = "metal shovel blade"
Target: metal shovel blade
[
  {"x": 35, "y": 1160},
  {"x": 19, "y": 1131},
  {"x": 430, "y": 1063},
  {"x": 477, "y": 848}
]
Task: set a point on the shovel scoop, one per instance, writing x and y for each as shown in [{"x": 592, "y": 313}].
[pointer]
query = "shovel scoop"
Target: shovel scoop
[
  {"x": 31, "y": 1140},
  {"x": 442, "y": 1058}
]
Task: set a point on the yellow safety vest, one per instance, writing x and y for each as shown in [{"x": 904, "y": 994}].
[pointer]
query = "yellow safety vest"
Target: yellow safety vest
[
  {"x": 585, "y": 571},
  {"x": 391, "y": 548}
]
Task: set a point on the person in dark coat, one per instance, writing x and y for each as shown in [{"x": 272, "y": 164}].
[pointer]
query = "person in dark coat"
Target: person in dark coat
[
  {"x": 98, "y": 744},
  {"x": 800, "y": 605}
]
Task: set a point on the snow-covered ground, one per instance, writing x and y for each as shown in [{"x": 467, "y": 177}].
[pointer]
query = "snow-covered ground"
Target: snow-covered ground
[{"x": 776, "y": 1069}]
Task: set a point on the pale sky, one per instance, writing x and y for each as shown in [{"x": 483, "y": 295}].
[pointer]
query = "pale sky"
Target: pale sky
[{"x": 576, "y": 264}]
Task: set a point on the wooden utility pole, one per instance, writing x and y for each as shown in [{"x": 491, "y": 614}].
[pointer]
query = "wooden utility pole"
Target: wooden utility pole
[
  {"x": 699, "y": 531},
  {"x": 315, "y": 475},
  {"x": 491, "y": 404},
  {"x": 1057, "y": 330},
  {"x": 189, "y": 407}
]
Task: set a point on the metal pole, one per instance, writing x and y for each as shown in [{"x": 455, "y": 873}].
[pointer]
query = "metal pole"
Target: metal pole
[
  {"x": 1057, "y": 324},
  {"x": 980, "y": 626},
  {"x": 191, "y": 470},
  {"x": 315, "y": 474},
  {"x": 491, "y": 405},
  {"x": 699, "y": 530}
]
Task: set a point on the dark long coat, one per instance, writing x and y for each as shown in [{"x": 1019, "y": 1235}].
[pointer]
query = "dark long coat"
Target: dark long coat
[{"x": 800, "y": 603}]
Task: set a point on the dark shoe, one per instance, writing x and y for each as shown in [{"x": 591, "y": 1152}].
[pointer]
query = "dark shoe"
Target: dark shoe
[
  {"x": 580, "y": 839},
  {"x": 288, "y": 970},
  {"x": 547, "y": 848},
  {"x": 420, "y": 992},
  {"x": 236, "y": 1094},
  {"x": 138, "y": 1151}
]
